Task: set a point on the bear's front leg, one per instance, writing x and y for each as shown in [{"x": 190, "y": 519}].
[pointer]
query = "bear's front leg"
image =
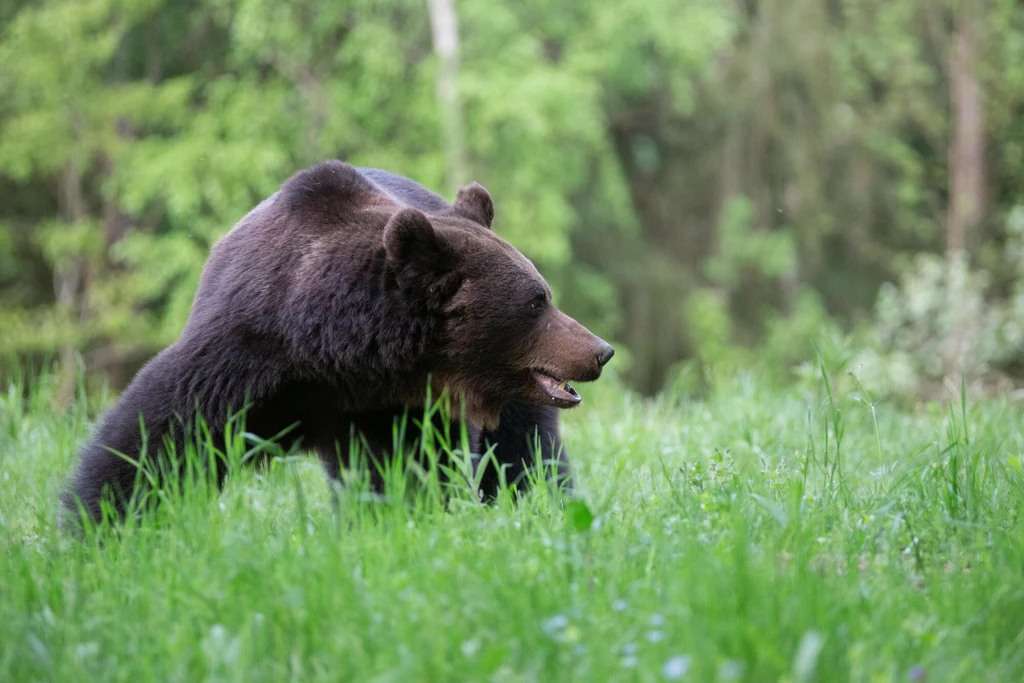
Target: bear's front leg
[
  {"x": 375, "y": 436},
  {"x": 370, "y": 436},
  {"x": 336, "y": 454},
  {"x": 525, "y": 431}
]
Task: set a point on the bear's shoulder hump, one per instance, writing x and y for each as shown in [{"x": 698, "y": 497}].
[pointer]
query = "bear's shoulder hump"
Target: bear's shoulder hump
[{"x": 331, "y": 187}]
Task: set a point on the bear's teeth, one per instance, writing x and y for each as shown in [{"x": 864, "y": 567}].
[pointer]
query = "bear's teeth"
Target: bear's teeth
[{"x": 562, "y": 385}]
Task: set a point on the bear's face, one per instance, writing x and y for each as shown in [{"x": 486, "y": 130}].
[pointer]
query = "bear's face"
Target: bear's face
[{"x": 504, "y": 338}]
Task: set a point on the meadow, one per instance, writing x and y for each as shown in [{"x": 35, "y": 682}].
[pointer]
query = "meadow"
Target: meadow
[{"x": 754, "y": 533}]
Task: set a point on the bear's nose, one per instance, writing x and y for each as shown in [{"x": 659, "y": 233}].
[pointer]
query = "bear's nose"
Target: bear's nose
[{"x": 605, "y": 355}]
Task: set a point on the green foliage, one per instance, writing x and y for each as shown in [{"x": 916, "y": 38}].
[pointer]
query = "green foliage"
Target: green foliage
[
  {"x": 579, "y": 516},
  {"x": 710, "y": 326},
  {"x": 645, "y": 153},
  {"x": 943, "y": 321},
  {"x": 771, "y": 254}
]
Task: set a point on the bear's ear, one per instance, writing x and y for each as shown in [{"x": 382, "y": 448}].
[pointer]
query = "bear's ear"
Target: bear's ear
[
  {"x": 410, "y": 239},
  {"x": 473, "y": 202}
]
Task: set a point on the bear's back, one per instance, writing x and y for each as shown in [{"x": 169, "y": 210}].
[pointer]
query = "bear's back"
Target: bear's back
[{"x": 405, "y": 191}]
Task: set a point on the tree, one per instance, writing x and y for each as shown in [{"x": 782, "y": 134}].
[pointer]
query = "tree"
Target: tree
[
  {"x": 966, "y": 149},
  {"x": 445, "y": 32}
]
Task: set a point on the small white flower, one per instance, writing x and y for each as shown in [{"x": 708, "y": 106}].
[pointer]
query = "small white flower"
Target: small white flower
[
  {"x": 556, "y": 624},
  {"x": 619, "y": 605},
  {"x": 470, "y": 647},
  {"x": 676, "y": 667}
]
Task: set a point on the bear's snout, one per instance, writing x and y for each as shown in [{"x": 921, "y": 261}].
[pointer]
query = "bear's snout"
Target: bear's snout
[{"x": 568, "y": 350}]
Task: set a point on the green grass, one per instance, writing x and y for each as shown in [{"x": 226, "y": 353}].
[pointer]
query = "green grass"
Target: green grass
[{"x": 757, "y": 535}]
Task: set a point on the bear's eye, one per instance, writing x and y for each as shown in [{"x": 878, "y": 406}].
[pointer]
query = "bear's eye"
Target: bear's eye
[{"x": 537, "y": 305}]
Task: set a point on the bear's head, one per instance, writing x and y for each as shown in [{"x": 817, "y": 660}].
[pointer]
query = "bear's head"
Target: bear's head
[{"x": 504, "y": 339}]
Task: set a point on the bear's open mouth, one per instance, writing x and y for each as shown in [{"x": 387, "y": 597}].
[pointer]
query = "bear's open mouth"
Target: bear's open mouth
[{"x": 558, "y": 390}]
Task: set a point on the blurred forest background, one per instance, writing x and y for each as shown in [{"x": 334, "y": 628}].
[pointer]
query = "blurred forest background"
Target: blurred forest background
[{"x": 708, "y": 183}]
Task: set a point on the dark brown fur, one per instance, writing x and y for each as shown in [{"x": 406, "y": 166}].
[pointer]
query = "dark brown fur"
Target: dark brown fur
[{"x": 329, "y": 305}]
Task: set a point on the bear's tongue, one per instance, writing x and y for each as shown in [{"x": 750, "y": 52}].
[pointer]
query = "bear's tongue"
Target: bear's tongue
[{"x": 558, "y": 390}]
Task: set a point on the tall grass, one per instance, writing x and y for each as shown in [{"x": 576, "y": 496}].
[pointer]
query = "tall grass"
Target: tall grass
[{"x": 806, "y": 534}]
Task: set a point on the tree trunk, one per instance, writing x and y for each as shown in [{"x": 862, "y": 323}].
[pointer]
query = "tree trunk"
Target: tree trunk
[
  {"x": 966, "y": 165},
  {"x": 67, "y": 278},
  {"x": 445, "y": 31}
]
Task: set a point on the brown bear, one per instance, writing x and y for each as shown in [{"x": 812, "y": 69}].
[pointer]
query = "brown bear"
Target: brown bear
[{"x": 329, "y": 308}]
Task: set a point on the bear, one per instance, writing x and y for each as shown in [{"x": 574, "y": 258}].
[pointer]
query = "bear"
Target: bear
[{"x": 331, "y": 309}]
